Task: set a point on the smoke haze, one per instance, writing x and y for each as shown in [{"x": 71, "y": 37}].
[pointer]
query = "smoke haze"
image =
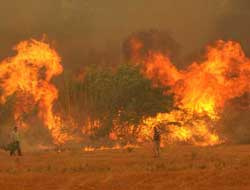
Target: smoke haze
[{"x": 78, "y": 27}]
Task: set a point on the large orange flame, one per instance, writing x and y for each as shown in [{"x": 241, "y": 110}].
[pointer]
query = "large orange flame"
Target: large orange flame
[
  {"x": 28, "y": 76},
  {"x": 200, "y": 91}
]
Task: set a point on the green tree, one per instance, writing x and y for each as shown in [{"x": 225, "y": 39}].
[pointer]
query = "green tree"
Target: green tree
[{"x": 123, "y": 96}]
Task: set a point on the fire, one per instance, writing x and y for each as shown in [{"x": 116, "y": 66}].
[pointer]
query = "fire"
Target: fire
[
  {"x": 160, "y": 66},
  {"x": 116, "y": 147},
  {"x": 27, "y": 75},
  {"x": 200, "y": 91}
]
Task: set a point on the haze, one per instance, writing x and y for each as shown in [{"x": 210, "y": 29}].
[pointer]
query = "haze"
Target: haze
[{"x": 76, "y": 27}]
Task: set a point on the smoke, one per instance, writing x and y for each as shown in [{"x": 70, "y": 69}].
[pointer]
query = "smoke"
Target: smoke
[
  {"x": 234, "y": 123},
  {"x": 232, "y": 23},
  {"x": 141, "y": 44},
  {"x": 77, "y": 27}
]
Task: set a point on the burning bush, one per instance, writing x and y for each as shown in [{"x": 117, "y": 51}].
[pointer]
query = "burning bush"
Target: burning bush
[{"x": 117, "y": 100}]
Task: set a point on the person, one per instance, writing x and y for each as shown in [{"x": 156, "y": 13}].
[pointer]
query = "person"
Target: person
[
  {"x": 157, "y": 141},
  {"x": 15, "y": 145}
]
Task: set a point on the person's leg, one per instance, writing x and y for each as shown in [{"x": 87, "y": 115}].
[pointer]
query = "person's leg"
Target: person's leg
[
  {"x": 158, "y": 149},
  {"x": 155, "y": 149},
  {"x": 11, "y": 152},
  {"x": 19, "y": 149},
  {"x": 12, "y": 148}
]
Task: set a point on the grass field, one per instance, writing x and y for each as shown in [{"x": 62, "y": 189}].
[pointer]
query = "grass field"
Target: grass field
[{"x": 180, "y": 167}]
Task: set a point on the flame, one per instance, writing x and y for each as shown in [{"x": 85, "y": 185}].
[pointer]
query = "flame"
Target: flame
[
  {"x": 160, "y": 66},
  {"x": 28, "y": 75},
  {"x": 200, "y": 91},
  {"x": 103, "y": 148},
  {"x": 136, "y": 45}
]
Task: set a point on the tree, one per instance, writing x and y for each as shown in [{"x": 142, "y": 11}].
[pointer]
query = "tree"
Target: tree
[{"x": 122, "y": 98}]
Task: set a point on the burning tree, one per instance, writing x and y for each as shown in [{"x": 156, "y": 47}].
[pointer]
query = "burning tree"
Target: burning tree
[
  {"x": 200, "y": 90},
  {"x": 118, "y": 101}
]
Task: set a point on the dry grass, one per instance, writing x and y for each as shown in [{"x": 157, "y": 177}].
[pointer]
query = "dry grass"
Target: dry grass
[{"x": 180, "y": 167}]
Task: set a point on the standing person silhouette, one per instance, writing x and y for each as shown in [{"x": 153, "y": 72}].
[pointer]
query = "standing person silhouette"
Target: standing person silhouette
[
  {"x": 157, "y": 141},
  {"x": 15, "y": 145}
]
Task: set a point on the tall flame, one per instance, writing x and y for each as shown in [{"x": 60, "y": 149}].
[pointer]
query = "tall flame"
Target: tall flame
[
  {"x": 28, "y": 75},
  {"x": 200, "y": 91}
]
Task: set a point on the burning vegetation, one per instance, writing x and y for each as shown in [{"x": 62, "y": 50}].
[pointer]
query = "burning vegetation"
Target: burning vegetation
[
  {"x": 27, "y": 76},
  {"x": 200, "y": 91},
  {"x": 125, "y": 103}
]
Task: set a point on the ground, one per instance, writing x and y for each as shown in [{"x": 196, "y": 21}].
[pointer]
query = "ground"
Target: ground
[{"x": 180, "y": 167}]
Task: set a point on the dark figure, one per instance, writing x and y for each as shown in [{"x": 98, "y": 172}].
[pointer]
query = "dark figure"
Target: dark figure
[
  {"x": 157, "y": 141},
  {"x": 15, "y": 145}
]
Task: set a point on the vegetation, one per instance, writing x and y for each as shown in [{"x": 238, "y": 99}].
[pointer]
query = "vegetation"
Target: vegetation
[{"x": 123, "y": 97}]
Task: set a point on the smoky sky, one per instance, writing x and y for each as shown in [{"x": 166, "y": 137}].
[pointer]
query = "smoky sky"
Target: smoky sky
[
  {"x": 77, "y": 28},
  {"x": 233, "y": 23}
]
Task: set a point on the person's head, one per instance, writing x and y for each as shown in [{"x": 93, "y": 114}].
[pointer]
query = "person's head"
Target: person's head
[{"x": 155, "y": 129}]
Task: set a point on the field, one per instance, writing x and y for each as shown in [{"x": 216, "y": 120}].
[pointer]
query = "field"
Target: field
[{"x": 180, "y": 167}]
